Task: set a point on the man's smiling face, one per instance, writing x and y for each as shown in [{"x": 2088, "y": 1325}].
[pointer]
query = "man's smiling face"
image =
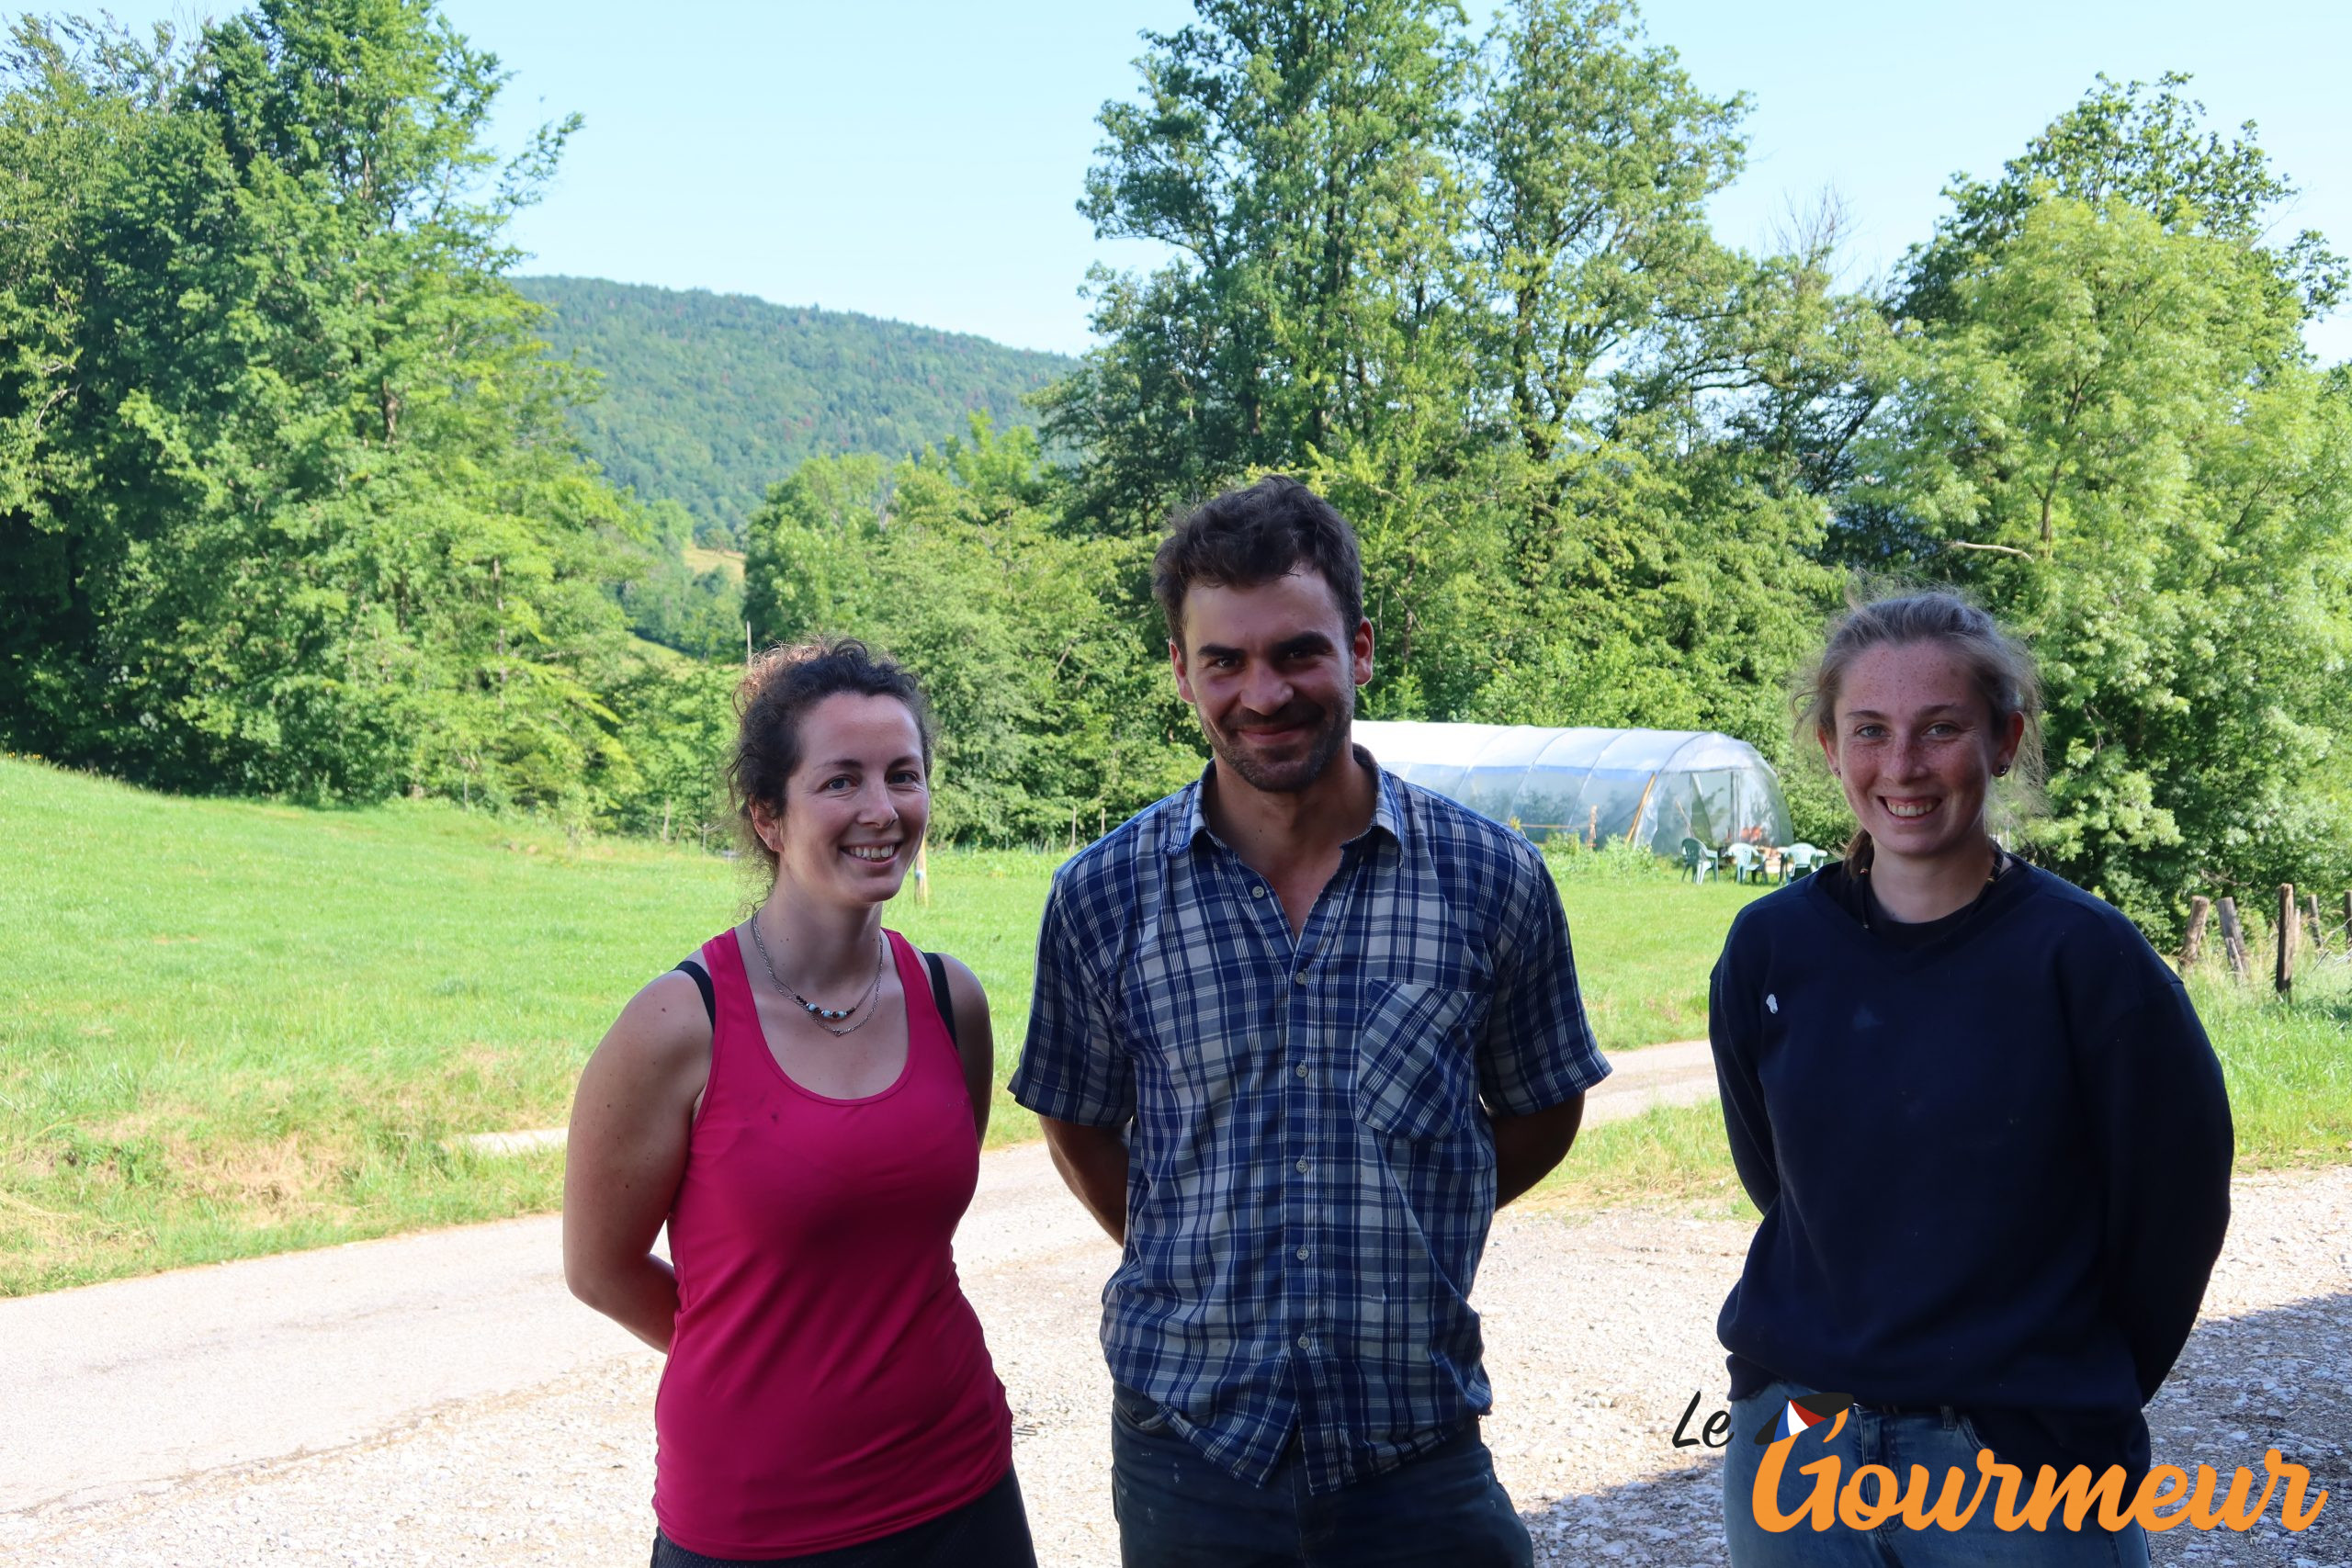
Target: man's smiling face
[{"x": 1272, "y": 671}]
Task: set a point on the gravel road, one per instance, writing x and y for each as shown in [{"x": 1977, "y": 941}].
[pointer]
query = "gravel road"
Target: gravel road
[{"x": 1599, "y": 1327}]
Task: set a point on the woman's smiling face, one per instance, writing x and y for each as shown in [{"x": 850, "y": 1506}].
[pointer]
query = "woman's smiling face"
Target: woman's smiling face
[
  {"x": 1916, "y": 746},
  {"x": 856, "y": 805}
]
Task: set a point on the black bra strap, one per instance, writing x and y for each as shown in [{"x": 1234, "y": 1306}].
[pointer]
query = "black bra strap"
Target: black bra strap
[
  {"x": 941, "y": 999},
  {"x": 702, "y": 983}
]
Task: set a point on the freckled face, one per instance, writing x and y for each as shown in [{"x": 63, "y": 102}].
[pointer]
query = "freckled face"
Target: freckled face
[
  {"x": 856, "y": 806},
  {"x": 1915, "y": 746}
]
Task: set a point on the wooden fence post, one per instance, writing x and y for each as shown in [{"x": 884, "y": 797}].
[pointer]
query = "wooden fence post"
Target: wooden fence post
[
  {"x": 2192, "y": 947},
  {"x": 2290, "y": 919},
  {"x": 2232, "y": 935},
  {"x": 2316, "y": 932}
]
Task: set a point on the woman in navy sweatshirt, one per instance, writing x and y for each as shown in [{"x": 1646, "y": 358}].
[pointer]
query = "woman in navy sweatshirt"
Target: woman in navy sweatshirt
[{"x": 1986, "y": 1133}]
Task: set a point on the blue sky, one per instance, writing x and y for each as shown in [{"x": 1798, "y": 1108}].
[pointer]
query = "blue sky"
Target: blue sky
[{"x": 920, "y": 159}]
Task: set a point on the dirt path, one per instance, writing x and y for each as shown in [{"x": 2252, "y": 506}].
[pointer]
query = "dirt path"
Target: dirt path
[
  {"x": 458, "y": 1407},
  {"x": 204, "y": 1369}
]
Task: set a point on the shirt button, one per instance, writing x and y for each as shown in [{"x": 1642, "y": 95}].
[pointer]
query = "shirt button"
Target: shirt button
[
  {"x": 1306, "y": 1342},
  {"x": 1301, "y": 1069},
  {"x": 1257, "y": 890},
  {"x": 1302, "y": 1254},
  {"x": 1302, "y": 1168},
  {"x": 1299, "y": 978}
]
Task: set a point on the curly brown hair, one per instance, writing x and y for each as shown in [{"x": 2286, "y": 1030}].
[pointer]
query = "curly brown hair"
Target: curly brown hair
[
  {"x": 1253, "y": 534},
  {"x": 779, "y": 687}
]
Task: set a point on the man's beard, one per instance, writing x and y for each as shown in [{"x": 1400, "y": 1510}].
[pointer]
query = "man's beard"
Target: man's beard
[{"x": 1294, "y": 773}]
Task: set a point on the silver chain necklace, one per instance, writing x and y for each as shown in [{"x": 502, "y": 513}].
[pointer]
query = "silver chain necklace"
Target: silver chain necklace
[{"x": 826, "y": 1016}]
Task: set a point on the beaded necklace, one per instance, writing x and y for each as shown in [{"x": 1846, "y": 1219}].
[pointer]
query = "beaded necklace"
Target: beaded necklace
[{"x": 826, "y": 1016}]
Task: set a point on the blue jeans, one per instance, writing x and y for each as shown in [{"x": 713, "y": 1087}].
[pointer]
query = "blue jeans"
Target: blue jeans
[
  {"x": 1938, "y": 1440},
  {"x": 1176, "y": 1510}
]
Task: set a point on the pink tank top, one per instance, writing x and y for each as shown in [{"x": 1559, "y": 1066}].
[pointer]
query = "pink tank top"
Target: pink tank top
[{"x": 827, "y": 1381}]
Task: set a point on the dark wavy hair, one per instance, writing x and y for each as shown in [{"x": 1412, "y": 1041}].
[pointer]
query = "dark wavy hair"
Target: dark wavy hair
[
  {"x": 1998, "y": 665},
  {"x": 1252, "y": 536},
  {"x": 779, "y": 687}
]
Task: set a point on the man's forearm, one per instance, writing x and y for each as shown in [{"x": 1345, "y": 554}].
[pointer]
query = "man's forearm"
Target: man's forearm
[
  {"x": 1094, "y": 1163},
  {"x": 1527, "y": 1147}
]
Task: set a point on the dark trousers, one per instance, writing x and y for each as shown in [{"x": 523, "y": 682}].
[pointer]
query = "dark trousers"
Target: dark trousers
[
  {"x": 991, "y": 1532},
  {"x": 1445, "y": 1509}
]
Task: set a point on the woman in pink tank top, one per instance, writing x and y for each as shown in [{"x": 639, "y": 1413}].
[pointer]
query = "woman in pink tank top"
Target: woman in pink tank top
[{"x": 797, "y": 1106}]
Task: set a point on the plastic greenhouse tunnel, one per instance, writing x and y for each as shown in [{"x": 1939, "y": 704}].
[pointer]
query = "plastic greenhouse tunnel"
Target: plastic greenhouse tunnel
[{"x": 1651, "y": 788}]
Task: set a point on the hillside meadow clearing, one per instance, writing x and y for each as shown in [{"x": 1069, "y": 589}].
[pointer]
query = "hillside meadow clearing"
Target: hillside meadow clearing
[{"x": 233, "y": 1028}]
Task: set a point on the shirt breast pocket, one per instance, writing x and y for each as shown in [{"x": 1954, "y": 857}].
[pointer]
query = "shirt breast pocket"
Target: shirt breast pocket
[{"x": 1415, "y": 1075}]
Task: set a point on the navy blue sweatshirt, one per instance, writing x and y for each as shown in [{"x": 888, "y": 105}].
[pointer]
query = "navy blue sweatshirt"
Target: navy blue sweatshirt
[{"x": 1992, "y": 1154}]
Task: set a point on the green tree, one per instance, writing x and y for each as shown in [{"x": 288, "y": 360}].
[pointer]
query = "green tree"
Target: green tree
[
  {"x": 1664, "y": 508},
  {"x": 1054, "y": 709},
  {"x": 2112, "y": 433},
  {"x": 1595, "y": 157},
  {"x": 303, "y": 516},
  {"x": 669, "y": 600},
  {"x": 2148, "y": 147},
  {"x": 1291, "y": 152},
  {"x": 1470, "y": 293},
  {"x": 678, "y": 720}
]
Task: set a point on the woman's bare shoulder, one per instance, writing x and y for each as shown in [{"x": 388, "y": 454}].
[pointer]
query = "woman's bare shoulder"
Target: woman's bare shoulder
[
  {"x": 663, "y": 1035},
  {"x": 959, "y": 974}
]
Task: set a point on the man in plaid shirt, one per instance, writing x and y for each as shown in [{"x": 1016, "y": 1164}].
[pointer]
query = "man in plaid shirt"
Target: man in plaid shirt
[{"x": 1298, "y": 1029}]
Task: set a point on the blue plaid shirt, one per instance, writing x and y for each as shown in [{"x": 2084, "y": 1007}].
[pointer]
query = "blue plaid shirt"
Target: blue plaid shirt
[{"x": 1310, "y": 1176}]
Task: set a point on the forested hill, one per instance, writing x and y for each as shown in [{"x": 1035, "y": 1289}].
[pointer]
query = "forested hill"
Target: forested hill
[{"x": 709, "y": 398}]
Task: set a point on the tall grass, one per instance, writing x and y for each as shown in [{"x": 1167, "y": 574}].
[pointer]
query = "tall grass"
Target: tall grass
[{"x": 2287, "y": 1063}]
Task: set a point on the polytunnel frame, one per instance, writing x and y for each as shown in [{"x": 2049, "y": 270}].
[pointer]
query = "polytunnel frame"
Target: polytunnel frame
[
  {"x": 1643, "y": 811},
  {"x": 1647, "y": 809}
]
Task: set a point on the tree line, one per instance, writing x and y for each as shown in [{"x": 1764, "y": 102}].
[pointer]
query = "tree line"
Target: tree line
[{"x": 292, "y": 508}]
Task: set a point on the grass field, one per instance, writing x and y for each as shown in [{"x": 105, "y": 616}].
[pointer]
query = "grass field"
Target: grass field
[
  {"x": 234, "y": 1027},
  {"x": 729, "y": 562}
]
